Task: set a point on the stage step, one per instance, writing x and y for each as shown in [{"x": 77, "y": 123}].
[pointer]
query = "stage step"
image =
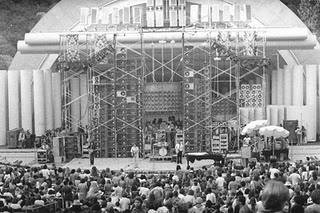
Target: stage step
[
  {"x": 28, "y": 156},
  {"x": 300, "y": 152}
]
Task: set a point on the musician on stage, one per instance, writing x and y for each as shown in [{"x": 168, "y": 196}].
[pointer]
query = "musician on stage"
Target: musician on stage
[
  {"x": 135, "y": 154},
  {"x": 179, "y": 149},
  {"x": 91, "y": 153}
]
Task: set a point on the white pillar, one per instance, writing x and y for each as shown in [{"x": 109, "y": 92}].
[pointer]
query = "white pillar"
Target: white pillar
[
  {"x": 280, "y": 114},
  {"x": 75, "y": 105},
  {"x": 274, "y": 116},
  {"x": 26, "y": 99},
  {"x": 311, "y": 101},
  {"x": 244, "y": 116},
  {"x": 280, "y": 87},
  {"x": 84, "y": 100},
  {"x": 274, "y": 88},
  {"x": 251, "y": 114},
  {"x": 297, "y": 85},
  {"x": 56, "y": 96},
  {"x": 48, "y": 99},
  {"x": 268, "y": 113},
  {"x": 39, "y": 103},
  {"x": 318, "y": 104},
  {"x": 268, "y": 94},
  {"x": 13, "y": 99},
  {"x": 287, "y": 85},
  {"x": 3, "y": 107},
  {"x": 258, "y": 113}
]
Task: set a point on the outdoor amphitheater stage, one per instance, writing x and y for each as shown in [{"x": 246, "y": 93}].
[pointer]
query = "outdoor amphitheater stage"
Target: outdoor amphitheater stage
[
  {"x": 127, "y": 164},
  {"x": 29, "y": 158}
]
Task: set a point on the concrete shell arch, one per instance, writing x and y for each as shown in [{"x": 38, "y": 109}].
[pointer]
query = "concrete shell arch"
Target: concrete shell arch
[{"x": 64, "y": 16}]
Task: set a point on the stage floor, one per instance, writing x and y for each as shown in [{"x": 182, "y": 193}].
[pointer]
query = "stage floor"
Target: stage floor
[{"x": 127, "y": 164}]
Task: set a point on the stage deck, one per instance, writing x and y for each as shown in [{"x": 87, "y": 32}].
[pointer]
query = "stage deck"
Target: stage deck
[{"x": 127, "y": 164}]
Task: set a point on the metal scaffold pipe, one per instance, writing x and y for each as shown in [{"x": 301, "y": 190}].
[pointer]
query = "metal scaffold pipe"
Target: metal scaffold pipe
[
  {"x": 271, "y": 34},
  {"x": 308, "y": 43}
]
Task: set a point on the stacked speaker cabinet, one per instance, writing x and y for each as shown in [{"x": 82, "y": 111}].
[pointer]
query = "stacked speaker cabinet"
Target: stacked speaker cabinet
[
  {"x": 65, "y": 148},
  {"x": 189, "y": 98},
  {"x": 12, "y": 137},
  {"x": 128, "y": 109},
  {"x": 199, "y": 115}
]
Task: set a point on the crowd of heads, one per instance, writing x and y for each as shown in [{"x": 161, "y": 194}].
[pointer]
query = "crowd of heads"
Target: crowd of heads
[{"x": 259, "y": 187}]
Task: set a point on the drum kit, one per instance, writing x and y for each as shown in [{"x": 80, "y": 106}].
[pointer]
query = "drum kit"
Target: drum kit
[{"x": 162, "y": 146}]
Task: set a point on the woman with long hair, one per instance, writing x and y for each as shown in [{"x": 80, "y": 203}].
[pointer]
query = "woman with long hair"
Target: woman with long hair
[
  {"x": 314, "y": 178},
  {"x": 152, "y": 203},
  {"x": 93, "y": 190},
  {"x": 94, "y": 172}
]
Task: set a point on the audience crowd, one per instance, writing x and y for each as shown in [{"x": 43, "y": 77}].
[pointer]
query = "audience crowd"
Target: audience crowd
[{"x": 259, "y": 187}]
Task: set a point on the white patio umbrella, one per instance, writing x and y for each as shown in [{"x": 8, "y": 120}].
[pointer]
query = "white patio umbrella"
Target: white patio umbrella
[
  {"x": 275, "y": 131},
  {"x": 254, "y": 125}
]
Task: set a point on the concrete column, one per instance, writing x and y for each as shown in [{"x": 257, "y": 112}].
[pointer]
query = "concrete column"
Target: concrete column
[
  {"x": 311, "y": 101},
  {"x": 280, "y": 115},
  {"x": 75, "y": 105},
  {"x": 274, "y": 87},
  {"x": 26, "y": 99},
  {"x": 258, "y": 113},
  {"x": 280, "y": 86},
  {"x": 3, "y": 107},
  {"x": 318, "y": 103},
  {"x": 244, "y": 116},
  {"x": 56, "y": 96},
  {"x": 39, "y": 103},
  {"x": 268, "y": 89},
  {"x": 268, "y": 114},
  {"x": 287, "y": 85},
  {"x": 48, "y": 98},
  {"x": 297, "y": 85},
  {"x": 13, "y": 99},
  {"x": 274, "y": 116},
  {"x": 84, "y": 100},
  {"x": 251, "y": 114}
]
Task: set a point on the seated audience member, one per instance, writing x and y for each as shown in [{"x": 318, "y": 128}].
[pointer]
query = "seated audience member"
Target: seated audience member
[
  {"x": 275, "y": 196},
  {"x": 315, "y": 207}
]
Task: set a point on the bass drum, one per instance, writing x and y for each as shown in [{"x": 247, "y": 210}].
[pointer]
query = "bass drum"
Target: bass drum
[{"x": 163, "y": 151}]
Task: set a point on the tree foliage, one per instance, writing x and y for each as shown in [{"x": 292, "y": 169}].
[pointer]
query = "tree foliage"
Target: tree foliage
[
  {"x": 309, "y": 12},
  {"x": 292, "y": 4},
  {"x": 18, "y": 17}
]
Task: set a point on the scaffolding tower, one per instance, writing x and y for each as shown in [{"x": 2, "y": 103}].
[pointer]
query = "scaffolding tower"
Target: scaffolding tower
[{"x": 213, "y": 72}]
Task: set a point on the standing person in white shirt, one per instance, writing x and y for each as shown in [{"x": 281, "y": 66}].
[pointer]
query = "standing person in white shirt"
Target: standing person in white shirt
[
  {"x": 295, "y": 178},
  {"x": 273, "y": 171},
  {"x": 125, "y": 203},
  {"x": 210, "y": 196},
  {"x": 220, "y": 181},
  {"x": 135, "y": 154},
  {"x": 179, "y": 149},
  {"x": 144, "y": 190},
  {"x": 22, "y": 138},
  {"x": 45, "y": 172},
  {"x": 246, "y": 141}
]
